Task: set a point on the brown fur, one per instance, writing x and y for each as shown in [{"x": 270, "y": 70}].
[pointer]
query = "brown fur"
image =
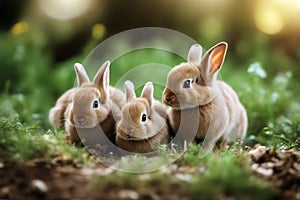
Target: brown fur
[
  {"x": 56, "y": 114},
  {"x": 73, "y": 110},
  {"x": 142, "y": 137},
  {"x": 144, "y": 146},
  {"x": 209, "y": 108},
  {"x": 87, "y": 134}
]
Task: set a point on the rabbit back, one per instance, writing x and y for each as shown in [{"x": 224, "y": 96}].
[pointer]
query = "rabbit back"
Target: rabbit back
[
  {"x": 237, "y": 116},
  {"x": 225, "y": 115},
  {"x": 57, "y": 113}
]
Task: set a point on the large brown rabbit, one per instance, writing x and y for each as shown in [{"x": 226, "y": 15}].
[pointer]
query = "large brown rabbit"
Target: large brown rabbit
[
  {"x": 90, "y": 108},
  {"x": 197, "y": 97},
  {"x": 143, "y": 126}
]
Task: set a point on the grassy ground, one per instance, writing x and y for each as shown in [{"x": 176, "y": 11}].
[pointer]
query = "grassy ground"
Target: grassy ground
[{"x": 36, "y": 161}]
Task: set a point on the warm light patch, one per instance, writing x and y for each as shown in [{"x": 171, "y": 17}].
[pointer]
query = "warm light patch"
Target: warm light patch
[
  {"x": 19, "y": 28},
  {"x": 268, "y": 18},
  {"x": 64, "y": 9},
  {"x": 98, "y": 31}
]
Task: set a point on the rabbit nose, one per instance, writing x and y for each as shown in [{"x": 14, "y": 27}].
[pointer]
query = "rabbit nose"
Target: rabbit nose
[
  {"x": 168, "y": 95},
  {"x": 80, "y": 119},
  {"x": 129, "y": 133},
  {"x": 169, "y": 98}
]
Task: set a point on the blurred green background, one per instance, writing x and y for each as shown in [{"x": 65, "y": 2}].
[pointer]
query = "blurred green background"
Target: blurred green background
[{"x": 41, "y": 39}]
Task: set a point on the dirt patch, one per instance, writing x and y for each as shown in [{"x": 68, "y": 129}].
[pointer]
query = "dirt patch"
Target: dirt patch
[
  {"x": 66, "y": 180},
  {"x": 281, "y": 168},
  {"x": 63, "y": 179},
  {"x": 41, "y": 179}
]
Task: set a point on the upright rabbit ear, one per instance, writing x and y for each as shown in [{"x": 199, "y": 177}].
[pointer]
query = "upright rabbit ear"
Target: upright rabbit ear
[
  {"x": 195, "y": 54},
  {"x": 129, "y": 90},
  {"x": 147, "y": 92},
  {"x": 217, "y": 56},
  {"x": 102, "y": 78},
  {"x": 212, "y": 61},
  {"x": 82, "y": 77}
]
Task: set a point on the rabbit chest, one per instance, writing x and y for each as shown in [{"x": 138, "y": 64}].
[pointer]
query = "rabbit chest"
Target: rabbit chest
[{"x": 199, "y": 120}]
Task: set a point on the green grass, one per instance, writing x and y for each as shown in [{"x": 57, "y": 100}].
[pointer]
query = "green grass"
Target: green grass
[
  {"x": 31, "y": 83},
  {"x": 219, "y": 174},
  {"x": 227, "y": 173},
  {"x": 271, "y": 102},
  {"x": 32, "y": 89},
  {"x": 21, "y": 142}
]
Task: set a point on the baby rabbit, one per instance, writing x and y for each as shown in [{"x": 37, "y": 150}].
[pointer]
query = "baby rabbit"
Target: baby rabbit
[
  {"x": 193, "y": 92},
  {"x": 144, "y": 121},
  {"x": 83, "y": 108}
]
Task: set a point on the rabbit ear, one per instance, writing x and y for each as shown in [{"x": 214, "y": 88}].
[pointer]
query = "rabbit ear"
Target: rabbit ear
[
  {"x": 213, "y": 60},
  {"x": 129, "y": 90},
  {"x": 217, "y": 56},
  {"x": 102, "y": 78},
  {"x": 81, "y": 74},
  {"x": 195, "y": 54},
  {"x": 148, "y": 92}
]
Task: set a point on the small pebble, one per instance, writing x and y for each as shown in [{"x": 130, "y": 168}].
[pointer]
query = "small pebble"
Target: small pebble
[
  {"x": 184, "y": 177},
  {"x": 268, "y": 165},
  {"x": 260, "y": 170},
  {"x": 297, "y": 166},
  {"x": 257, "y": 153},
  {"x": 40, "y": 185},
  {"x": 4, "y": 191},
  {"x": 128, "y": 194}
]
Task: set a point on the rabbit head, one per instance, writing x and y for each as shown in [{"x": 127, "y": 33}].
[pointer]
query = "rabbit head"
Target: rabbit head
[
  {"x": 90, "y": 101},
  {"x": 193, "y": 83},
  {"x": 137, "y": 122}
]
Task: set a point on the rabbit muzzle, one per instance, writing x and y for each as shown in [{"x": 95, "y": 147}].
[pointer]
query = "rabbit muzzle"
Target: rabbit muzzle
[
  {"x": 129, "y": 133},
  {"x": 84, "y": 121},
  {"x": 79, "y": 120},
  {"x": 169, "y": 98}
]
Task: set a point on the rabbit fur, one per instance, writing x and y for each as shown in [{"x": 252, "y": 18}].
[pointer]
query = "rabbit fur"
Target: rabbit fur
[
  {"x": 144, "y": 121},
  {"x": 90, "y": 104},
  {"x": 193, "y": 92}
]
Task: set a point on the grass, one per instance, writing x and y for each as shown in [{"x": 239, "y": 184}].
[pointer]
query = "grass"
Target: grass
[
  {"x": 21, "y": 142},
  {"x": 32, "y": 85},
  {"x": 219, "y": 174},
  {"x": 227, "y": 174}
]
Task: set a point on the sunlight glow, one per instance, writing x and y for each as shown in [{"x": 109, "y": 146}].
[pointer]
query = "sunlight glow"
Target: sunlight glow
[
  {"x": 98, "y": 31},
  {"x": 64, "y": 9},
  {"x": 19, "y": 28},
  {"x": 268, "y": 18}
]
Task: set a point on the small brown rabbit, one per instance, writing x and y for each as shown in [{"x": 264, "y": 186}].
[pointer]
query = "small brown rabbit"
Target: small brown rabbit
[
  {"x": 83, "y": 108},
  {"x": 144, "y": 121},
  {"x": 196, "y": 96}
]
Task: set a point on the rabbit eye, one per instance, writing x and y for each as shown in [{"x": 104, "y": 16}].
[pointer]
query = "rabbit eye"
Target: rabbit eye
[
  {"x": 187, "y": 83},
  {"x": 95, "y": 104},
  {"x": 144, "y": 117}
]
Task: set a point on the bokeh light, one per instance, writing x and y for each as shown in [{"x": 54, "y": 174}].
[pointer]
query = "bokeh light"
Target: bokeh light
[
  {"x": 19, "y": 28},
  {"x": 98, "y": 31},
  {"x": 64, "y": 9},
  {"x": 268, "y": 18}
]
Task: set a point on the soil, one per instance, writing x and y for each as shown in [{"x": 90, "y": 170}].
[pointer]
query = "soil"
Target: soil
[
  {"x": 64, "y": 179},
  {"x": 39, "y": 179},
  {"x": 281, "y": 168}
]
